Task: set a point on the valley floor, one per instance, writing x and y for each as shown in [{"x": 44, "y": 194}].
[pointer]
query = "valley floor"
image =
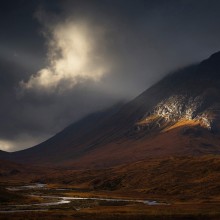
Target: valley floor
[
  {"x": 168, "y": 188},
  {"x": 27, "y": 202}
]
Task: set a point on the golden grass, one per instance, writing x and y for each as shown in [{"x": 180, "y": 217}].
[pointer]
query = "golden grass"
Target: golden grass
[
  {"x": 182, "y": 123},
  {"x": 149, "y": 119}
]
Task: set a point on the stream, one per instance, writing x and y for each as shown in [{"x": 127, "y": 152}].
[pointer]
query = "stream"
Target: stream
[{"x": 65, "y": 200}]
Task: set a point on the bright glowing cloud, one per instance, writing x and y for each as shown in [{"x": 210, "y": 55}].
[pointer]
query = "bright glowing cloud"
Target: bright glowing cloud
[
  {"x": 72, "y": 58},
  {"x": 6, "y": 145},
  {"x": 21, "y": 141}
]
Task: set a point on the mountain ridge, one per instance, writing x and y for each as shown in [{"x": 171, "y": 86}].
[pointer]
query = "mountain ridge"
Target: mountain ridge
[{"x": 177, "y": 115}]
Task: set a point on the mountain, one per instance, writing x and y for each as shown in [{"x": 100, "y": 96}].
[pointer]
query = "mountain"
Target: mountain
[
  {"x": 3, "y": 153},
  {"x": 178, "y": 116}
]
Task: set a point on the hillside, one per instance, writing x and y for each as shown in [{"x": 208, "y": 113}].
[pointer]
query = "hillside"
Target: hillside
[
  {"x": 178, "y": 116},
  {"x": 180, "y": 178}
]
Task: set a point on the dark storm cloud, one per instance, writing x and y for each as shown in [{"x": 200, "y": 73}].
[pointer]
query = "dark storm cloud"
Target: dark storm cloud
[
  {"x": 146, "y": 39},
  {"x": 135, "y": 43}
]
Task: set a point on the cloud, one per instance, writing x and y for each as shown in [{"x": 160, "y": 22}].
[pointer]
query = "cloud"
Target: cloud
[
  {"x": 73, "y": 57},
  {"x": 5, "y": 145},
  {"x": 90, "y": 55},
  {"x": 20, "y": 142}
]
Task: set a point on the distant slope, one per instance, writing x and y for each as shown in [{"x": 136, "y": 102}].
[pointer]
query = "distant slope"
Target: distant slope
[
  {"x": 11, "y": 172},
  {"x": 184, "y": 178},
  {"x": 53, "y": 150},
  {"x": 180, "y": 115}
]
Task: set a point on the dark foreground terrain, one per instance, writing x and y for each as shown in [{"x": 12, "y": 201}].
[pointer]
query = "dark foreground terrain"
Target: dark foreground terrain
[{"x": 168, "y": 188}]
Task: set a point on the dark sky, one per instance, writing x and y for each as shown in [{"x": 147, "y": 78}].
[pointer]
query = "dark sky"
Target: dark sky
[{"x": 60, "y": 59}]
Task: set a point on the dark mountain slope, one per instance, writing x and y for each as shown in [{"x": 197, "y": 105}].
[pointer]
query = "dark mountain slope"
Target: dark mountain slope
[
  {"x": 177, "y": 116},
  {"x": 3, "y": 153},
  {"x": 74, "y": 135}
]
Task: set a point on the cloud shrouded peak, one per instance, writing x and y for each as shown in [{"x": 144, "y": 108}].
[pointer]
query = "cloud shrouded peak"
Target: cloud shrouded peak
[
  {"x": 91, "y": 55},
  {"x": 73, "y": 57}
]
